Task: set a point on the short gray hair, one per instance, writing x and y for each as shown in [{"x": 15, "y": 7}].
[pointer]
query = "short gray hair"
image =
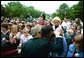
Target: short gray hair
[{"x": 35, "y": 30}]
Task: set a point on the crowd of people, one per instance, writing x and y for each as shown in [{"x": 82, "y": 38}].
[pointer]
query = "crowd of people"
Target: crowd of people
[{"x": 41, "y": 38}]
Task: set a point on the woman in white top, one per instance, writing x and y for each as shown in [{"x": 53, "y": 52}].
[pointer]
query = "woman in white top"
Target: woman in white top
[
  {"x": 56, "y": 26},
  {"x": 25, "y": 36}
]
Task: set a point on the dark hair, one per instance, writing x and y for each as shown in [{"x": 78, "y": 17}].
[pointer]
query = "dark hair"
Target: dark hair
[
  {"x": 46, "y": 30},
  {"x": 43, "y": 16},
  {"x": 4, "y": 25},
  {"x": 21, "y": 27}
]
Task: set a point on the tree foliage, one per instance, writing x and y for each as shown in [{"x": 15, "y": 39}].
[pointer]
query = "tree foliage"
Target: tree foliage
[
  {"x": 76, "y": 11},
  {"x": 16, "y": 9},
  {"x": 62, "y": 11}
]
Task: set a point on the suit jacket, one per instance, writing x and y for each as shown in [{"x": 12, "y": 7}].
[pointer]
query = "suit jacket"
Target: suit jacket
[{"x": 35, "y": 48}]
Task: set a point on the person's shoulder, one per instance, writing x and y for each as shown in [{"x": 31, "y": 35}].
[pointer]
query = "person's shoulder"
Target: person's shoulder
[
  {"x": 45, "y": 40},
  {"x": 28, "y": 42},
  {"x": 71, "y": 46},
  {"x": 30, "y": 36}
]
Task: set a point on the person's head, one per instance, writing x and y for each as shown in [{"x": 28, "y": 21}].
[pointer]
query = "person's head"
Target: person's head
[
  {"x": 36, "y": 31},
  {"x": 9, "y": 26},
  {"x": 65, "y": 19},
  {"x": 77, "y": 20},
  {"x": 47, "y": 31},
  {"x": 74, "y": 28},
  {"x": 42, "y": 17},
  {"x": 78, "y": 32},
  {"x": 23, "y": 22},
  {"x": 78, "y": 41},
  {"x": 25, "y": 31},
  {"x": 70, "y": 32},
  {"x": 21, "y": 27},
  {"x": 4, "y": 27},
  {"x": 34, "y": 22},
  {"x": 14, "y": 29},
  {"x": 29, "y": 26},
  {"x": 40, "y": 21},
  {"x": 56, "y": 21}
]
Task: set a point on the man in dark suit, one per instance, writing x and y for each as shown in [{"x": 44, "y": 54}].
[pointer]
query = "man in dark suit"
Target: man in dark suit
[{"x": 39, "y": 46}]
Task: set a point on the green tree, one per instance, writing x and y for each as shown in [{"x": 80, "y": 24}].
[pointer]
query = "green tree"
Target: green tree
[
  {"x": 76, "y": 11},
  {"x": 2, "y": 10},
  {"x": 80, "y": 10},
  {"x": 14, "y": 9},
  {"x": 62, "y": 11},
  {"x": 53, "y": 15}
]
